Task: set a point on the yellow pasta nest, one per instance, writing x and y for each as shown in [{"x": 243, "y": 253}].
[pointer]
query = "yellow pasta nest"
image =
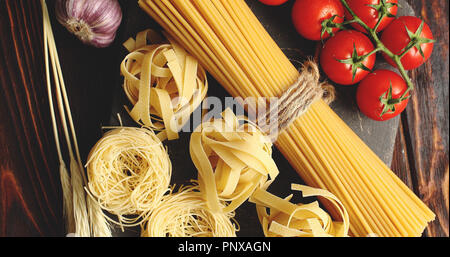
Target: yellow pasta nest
[
  {"x": 164, "y": 83},
  {"x": 286, "y": 219},
  {"x": 185, "y": 214},
  {"x": 232, "y": 160},
  {"x": 129, "y": 172}
]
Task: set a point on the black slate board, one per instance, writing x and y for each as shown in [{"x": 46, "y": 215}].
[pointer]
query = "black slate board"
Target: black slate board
[{"x": 379, "y": 136}]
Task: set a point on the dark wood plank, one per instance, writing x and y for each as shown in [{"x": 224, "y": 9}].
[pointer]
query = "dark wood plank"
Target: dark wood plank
[
  {"x": 426, "y": 123},
  {"x": 400, "y": 159},
  {"x": 30, "y": 191}
]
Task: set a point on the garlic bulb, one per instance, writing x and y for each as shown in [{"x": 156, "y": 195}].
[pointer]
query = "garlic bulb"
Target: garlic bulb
[{"x": 95, "y": 22}]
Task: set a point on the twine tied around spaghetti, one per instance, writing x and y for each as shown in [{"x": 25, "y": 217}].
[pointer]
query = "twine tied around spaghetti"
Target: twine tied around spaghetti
[{"x": 297, "y": 99}]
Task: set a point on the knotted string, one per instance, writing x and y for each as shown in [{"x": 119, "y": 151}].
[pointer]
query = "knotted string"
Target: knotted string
[{"x": 296, "y": 100}]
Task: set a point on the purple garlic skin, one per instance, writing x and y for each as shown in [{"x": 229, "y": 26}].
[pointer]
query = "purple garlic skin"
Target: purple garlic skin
[{"x": 94, "y": 22}]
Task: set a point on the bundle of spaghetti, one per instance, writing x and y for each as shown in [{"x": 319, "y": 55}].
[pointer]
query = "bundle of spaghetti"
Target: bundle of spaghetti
[
  {"x": 129, "y": 172},
  {"x": 83, "y": 216},
  {"x": 185, "y": 214},
  {"x": 230, "y": 42},
  {"x": 286, "y": 219},
  {"x": 164, "y": 83},
  {"x": 233, "y": 158}
]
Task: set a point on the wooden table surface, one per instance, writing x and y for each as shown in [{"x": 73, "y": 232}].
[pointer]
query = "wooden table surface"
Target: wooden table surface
[{"x": 30, "y": 191}]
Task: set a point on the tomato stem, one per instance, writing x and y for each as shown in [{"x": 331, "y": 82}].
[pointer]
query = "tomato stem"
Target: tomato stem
[
  {"x": 357, "y": 62},
  {"x": 383, "y": 11},
  {"x": 373, "y": 52},
  {"x": 390, "y": 102},
  {"x": 329, "y": 25}
]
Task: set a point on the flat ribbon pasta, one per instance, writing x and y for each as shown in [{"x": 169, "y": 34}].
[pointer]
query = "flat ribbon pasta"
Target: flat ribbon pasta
[
  {"x": 164, "y": 83},
  {"x": 286, "y": 219},
  {"x": 232, "y": 160}
]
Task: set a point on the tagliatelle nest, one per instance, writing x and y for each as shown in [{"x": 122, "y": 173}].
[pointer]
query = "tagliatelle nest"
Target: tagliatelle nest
[
  {"x": 129, "y": 172},
  {"x": 233, "y": 158},
  {"x": 162, "y": 81},
  {"x": 185, "y": 214},
  {"x": 286, "y": 219}
]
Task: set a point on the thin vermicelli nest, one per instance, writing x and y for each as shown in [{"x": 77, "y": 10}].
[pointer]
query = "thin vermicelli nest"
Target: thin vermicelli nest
[
  {"x": 129, "y": 172},
  {"x": 185, "y": 214}
]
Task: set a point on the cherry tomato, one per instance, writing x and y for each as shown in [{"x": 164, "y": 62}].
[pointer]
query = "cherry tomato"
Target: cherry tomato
[
  {"x": 396, "y": 37},
  {"x": 345, "y": 57},
  {"x": 379, "y": 95},
  {"x": 273, "y": 2},
  {"x": 309, "y": 16},
  {"x": 369, "y": 10}
]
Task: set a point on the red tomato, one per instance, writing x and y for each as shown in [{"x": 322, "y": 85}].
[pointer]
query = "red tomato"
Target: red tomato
[
  {"x": 395, "y": 37},
  {"x": 309, "y": 15},
  {"x": 381, "y": 92},
  {"x": 342, "y": 57},
  {"x": 368, "y": 12},
  {"x": 273, "y": 2}
]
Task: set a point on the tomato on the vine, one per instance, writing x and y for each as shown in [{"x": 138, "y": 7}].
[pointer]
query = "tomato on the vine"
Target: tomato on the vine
[
  {"x": 273, "y": 2},
  {"x": 380, "y": 96},
  {"x": 370, "y": 11},
  {"x": 347, "y": 57},
  {"x": 317, "y": 19},
  {"x": 408, "y": 32}
]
